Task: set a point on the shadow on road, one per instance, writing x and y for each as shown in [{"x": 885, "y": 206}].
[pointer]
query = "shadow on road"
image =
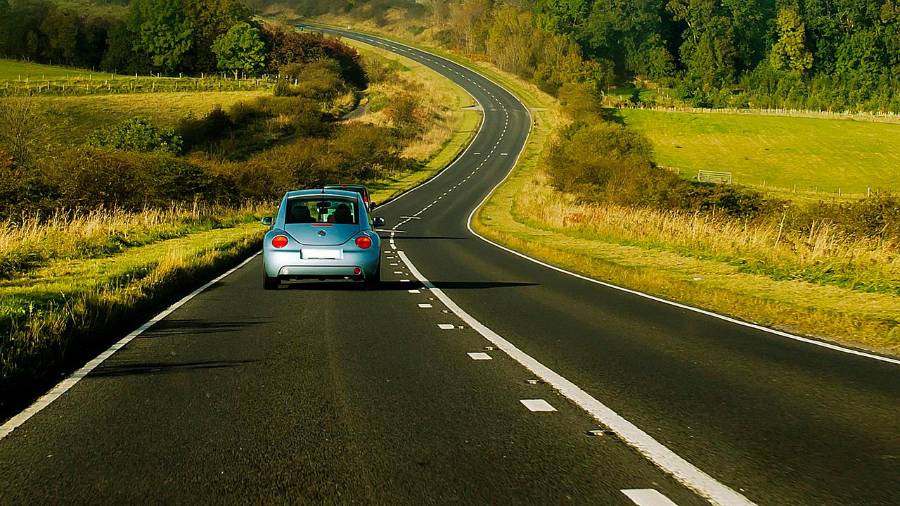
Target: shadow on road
[
  {"x": 145, "y": 368},
  {"x": 170, "y": 327},
  {"x": 316, "y": 285}
]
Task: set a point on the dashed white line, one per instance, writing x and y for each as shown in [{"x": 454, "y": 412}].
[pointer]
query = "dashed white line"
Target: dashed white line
[
  {"x": 425, "y": 306},
  {"x": 414, "y": 291},
  {"x": 479, "y": 356},
  {"x": 446, "y": 326},
  {"x": 538, "y": 405},
  {"x": 648, "y": 497}
]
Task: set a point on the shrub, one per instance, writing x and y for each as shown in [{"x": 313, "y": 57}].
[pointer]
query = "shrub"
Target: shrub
[
  {"x": 137, "y": 135},
  {"x": 210, "y": 128},
  {"x": 403, "y": 112}
]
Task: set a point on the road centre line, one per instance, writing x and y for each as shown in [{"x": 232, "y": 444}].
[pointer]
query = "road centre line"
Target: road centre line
[
  {"x": 664, "y": 458},
  {"x": 538, "y": 405},
  {"x": 647, "y": 497}
]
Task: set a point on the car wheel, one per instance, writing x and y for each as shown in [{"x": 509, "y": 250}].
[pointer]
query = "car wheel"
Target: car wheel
[
  {"x": 270, "y": 283},
  {"x": 375, "y": 279}
]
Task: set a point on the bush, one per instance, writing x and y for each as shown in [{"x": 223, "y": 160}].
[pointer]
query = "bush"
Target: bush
[
  {"x": 138, "y": 135},
  {"x": 605, "y": 162},
  {"x": 206, "y": 130}
]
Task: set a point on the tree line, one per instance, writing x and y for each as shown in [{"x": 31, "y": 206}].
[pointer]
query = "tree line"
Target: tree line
[
  {"x": 165, "y": 36},
  {"x": 811, "y": 54}
]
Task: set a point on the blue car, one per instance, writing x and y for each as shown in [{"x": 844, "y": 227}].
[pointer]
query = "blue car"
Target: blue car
[{"x": 322, "y": 234}]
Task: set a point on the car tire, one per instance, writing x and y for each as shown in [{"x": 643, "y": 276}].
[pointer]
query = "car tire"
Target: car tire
[
  {"x": 375, "y": 279},
  {"x": 270, "y": 283}
]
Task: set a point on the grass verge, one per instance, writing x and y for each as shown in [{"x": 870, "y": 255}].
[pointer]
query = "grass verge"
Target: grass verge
[{"x": 746, "y": 285}]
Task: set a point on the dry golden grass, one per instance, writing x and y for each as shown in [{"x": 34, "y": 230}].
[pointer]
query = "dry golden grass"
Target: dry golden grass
[
  {"x": 825, "y": 255},
  {"x": 29, "y": 242},
  {"x": 440, "y": 101}
]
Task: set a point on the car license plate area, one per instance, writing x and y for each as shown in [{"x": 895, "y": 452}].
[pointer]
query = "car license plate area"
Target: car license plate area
[{"x": 322, "y": 254}]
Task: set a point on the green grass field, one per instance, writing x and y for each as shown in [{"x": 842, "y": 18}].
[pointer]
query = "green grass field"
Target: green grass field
[
  {"x": 776, "y": 152},
  {"x": 70, "y": 120},
  {"x": 17, "y": 70}
]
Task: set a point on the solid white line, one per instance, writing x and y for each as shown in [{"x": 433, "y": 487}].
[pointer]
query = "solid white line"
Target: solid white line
[
  {"x": 648, "y": 497},
  {"x": 66, "y": 384},
  {"x": 664, "y": 458},
  {"x": 538, "y": 405}
]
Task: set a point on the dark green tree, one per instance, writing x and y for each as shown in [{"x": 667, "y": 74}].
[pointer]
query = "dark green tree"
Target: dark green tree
[
  {"x": 61, "y": 29},
  {"x": 707, "y": 51},
  {"x": 162, "y": 30}
]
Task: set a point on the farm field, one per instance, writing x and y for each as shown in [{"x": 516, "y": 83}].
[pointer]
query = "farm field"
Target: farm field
[
  {"x": 72, "y": 119},
  {"x": 19, "y": 70},
  {"x": 792, "y": 156}
]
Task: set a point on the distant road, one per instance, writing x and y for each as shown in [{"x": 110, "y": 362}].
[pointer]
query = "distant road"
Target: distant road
[{"x": 417, "y": 392}]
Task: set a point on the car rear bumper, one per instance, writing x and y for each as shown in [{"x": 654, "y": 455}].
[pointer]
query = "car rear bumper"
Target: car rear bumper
[{"x": 287, "y": 264}]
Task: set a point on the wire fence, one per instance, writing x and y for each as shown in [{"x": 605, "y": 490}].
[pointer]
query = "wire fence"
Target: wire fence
[
  {"x": 882, "y": 117},
  {"x": 106, "y": 84}
]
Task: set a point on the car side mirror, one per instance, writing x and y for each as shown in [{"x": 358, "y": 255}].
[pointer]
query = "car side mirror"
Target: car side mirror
[
  {"x": 379, "y": 222},
  {"x": 267, "y": 221}
]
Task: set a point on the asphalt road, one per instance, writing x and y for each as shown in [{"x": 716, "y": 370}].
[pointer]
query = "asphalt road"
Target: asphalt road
[{"x": 330, "y": 393}]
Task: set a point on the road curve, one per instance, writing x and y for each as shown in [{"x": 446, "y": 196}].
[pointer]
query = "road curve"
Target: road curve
[{"x": 329, "y": 393}]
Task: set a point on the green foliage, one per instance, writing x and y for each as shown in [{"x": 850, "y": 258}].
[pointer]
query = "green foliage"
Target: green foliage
[
  {"x": 240, "y": 50},
  {"x": 138, "y": 135},
  {"x": 162, "y": 30},
  {"x": 789, "y": 52}
]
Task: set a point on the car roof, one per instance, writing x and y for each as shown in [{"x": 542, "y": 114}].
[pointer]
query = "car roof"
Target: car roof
[
  {"x": 331, "y": 192},
  {"x": 355, "y": 186}
]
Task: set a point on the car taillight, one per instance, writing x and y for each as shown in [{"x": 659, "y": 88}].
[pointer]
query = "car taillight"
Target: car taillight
[
  {"x": 364, "y": 242},
  {"x": 279, "y": 241}
]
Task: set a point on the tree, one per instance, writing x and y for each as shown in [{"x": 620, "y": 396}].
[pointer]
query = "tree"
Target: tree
[
  {"x": 162, "y": 31},
  {"x": 789, "y": 52},
  {"x": 20, "y": 129},
  {"x": 240, "y": 49},
  {"x": 708, "y": 50},
  {"x": 61, "y": 28},
  {"x": 211, "y": 19}
]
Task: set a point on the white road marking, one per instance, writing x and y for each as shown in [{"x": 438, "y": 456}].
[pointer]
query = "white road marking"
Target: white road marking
[
  {"x": 537, "y": 405},
  {"x": 65, "y": 385},
  {"x": 648, "y": 497},
  {"x": 414, "y": 291},
  {"x": 398, "y": 272},
  {"x": 446, "y": 326},
  {"x": 653, "y": 450},
  {"x": 479, "y": 356},
  {"x": 425, "y": 306}
]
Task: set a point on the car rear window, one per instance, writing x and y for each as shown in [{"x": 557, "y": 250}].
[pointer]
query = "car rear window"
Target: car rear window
[{"x": 335, "y": 210}]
